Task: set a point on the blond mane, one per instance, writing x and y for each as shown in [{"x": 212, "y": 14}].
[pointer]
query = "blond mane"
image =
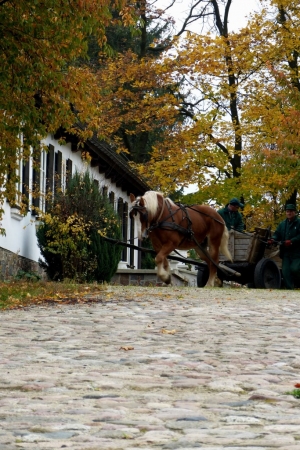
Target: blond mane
[{"x": 151, "y": 202}]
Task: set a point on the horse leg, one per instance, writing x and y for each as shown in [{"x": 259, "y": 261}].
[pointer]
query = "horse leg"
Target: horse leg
[
  {"x": 214, "y": 254},
  {"x": 214, "y": 245},
  {"x": 163, "y": 268}
]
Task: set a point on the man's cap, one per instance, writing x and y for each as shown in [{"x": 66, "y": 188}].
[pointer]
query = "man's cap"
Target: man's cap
[
  {"x": 290, "y": 206},
  {"x": 234, "y": 201}
]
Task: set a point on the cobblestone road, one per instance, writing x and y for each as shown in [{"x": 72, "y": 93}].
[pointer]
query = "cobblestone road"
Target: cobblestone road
[{"x": 153, "y": 368}]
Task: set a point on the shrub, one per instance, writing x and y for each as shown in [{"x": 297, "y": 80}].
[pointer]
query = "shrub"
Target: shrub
[
  {"x": 148, "y": 260},
  {"x": 69, "y": 238}
]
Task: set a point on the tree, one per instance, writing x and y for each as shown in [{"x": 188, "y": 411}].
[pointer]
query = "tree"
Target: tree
[
  {"x": 39, "y": 80},
  {"x": 209, "y": 145},
  {"x": 193, "y": 107},
  {"x": 273, "y": 104},
  {"x": 242, "y": 137},
  {"x": 137, "y": 104}
]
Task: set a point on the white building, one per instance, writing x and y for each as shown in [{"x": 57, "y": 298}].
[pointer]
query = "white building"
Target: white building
[{"x": 114, "y": 176}]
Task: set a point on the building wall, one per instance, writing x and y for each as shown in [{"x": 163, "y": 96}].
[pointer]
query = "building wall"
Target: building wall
[
  {"x": 11, "y": 264},
  {"x": 20, "y": 238}
]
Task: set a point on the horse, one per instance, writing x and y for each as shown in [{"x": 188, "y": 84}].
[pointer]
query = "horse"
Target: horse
[{"x": 173, "y": 226}]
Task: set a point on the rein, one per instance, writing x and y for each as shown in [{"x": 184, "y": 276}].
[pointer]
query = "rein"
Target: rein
[
  {"x": 205, "y": 214},
  {"x": 162, "y": 209}
]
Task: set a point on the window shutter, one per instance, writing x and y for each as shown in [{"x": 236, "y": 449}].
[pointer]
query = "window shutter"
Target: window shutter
[
  {"x": 36, "y": 177},
  {"x": 125, "y": 229},
  {"x": 104, "y": 191},
  {"x": 112, "y": 198},
  {"x": 25, "y": 183},
  {"x": 58, "y": 170},
  {"x": 49, "y": 174},
  {"x": 69, "y": 167}
]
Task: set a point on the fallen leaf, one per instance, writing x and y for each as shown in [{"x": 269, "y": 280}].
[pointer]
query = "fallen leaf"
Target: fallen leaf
[
  {"x": 297, "y": 385},
  {"x": 164, "y": 331},
  {"x": 126, "y": 348}
]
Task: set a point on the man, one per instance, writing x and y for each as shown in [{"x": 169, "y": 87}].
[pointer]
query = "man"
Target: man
[
  {"x": 233, "y": 218},
  {"x": 288, "y": 234}
]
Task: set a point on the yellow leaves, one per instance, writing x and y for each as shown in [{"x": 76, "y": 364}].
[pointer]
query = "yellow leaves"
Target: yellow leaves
[
  {"x": 164, "y": 331},
  {"x": 22, "y": 293}
]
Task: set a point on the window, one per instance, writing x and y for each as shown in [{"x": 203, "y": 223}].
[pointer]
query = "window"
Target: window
[
  {"x": 50, "y": 172},
  {"x": 24, "y": 180},
  {"x": 45, "y": 172},
  {"x": 39, "y": 182},
  {"x": 57, "y": 173}
]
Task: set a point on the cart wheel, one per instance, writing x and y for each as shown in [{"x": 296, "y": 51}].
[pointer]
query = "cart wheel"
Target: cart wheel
[
  {"x": 267, "y": 275},
  {"x": 202, "y": 276}
]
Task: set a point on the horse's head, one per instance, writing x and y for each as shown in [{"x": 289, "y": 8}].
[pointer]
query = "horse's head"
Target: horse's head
[
  {"x": 145, "y": 209},
  {"x": 139, "y": 211},
  {"x": 138, "y": 206}
]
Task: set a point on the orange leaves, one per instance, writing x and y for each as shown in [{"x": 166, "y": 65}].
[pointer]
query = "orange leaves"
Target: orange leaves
[
  {"x": 129, "y": 100},
  {"x": 164, "y": 331}
]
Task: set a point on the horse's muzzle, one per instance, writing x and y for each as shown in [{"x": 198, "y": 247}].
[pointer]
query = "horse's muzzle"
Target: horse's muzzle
[{"x": 141, "y": 210}]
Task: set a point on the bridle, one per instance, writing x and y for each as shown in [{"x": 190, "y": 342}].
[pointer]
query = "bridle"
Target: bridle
[
  {"x": 144, "y": 216},
  {"x": 137, "y": 208}
]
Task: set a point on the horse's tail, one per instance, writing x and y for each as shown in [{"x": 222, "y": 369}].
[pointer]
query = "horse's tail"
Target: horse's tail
[{"x": 224, "y": 244}]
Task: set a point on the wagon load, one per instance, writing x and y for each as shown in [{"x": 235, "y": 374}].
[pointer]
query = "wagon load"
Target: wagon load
[{"x": 251, "y": 258}]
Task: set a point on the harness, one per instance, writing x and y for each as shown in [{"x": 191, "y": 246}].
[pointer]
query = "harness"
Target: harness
[
  {"x": 165, "y": 225},
  {"x": 187, "y": 232}
]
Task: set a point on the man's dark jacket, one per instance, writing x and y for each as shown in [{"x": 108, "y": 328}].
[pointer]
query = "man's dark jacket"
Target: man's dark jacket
[
  {"x": 289, "y": 230},
  {"x": 233, "y": 219}
]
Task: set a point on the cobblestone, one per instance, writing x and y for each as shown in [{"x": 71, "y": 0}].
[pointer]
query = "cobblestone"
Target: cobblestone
[{"x": 153, "y": 368}]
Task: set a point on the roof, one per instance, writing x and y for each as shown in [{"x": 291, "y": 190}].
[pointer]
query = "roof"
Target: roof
[
  {"x": 116, "y": 167},
  {"x": 112, "y": 164}
]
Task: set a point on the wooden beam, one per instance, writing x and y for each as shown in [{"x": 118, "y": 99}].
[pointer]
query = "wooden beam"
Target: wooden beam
[
  {"x": 103, "y": 167},
  {"x": 74, "y": 147},
  {"x": 95, "y": 162}
]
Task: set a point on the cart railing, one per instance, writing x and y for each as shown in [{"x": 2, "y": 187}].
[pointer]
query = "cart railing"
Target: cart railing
[{"x": 247, "y": 247}]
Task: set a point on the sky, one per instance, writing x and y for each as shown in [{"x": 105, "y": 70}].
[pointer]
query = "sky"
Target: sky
[{"x": 238, "y": 11}]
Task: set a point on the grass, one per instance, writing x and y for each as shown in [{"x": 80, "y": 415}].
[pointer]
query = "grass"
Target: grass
[
  {"x": 295, "y": 393},
  {"x": 23, "y": 293}
]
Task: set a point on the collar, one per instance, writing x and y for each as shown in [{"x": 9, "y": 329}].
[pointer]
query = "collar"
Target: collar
[{"x": 292, "y": 220}]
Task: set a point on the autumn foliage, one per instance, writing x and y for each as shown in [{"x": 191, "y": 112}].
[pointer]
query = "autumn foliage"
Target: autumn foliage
[
  {"x": 39, "y": 77},
  {"x": 217, "y": 107}
]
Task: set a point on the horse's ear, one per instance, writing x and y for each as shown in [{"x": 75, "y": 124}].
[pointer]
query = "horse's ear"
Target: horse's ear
[
  {"x": 132, "y": 198},
  {"x": 142, "y": 202}
]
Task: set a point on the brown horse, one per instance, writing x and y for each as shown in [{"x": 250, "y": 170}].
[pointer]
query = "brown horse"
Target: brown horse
[{"x": 173, "y": 226}]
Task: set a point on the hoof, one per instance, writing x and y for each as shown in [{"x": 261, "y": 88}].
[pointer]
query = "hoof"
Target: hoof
[{"x": 167, "y": 281}]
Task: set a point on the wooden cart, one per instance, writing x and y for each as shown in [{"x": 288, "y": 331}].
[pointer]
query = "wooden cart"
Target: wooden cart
[{"x": 251, "y": 259}]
